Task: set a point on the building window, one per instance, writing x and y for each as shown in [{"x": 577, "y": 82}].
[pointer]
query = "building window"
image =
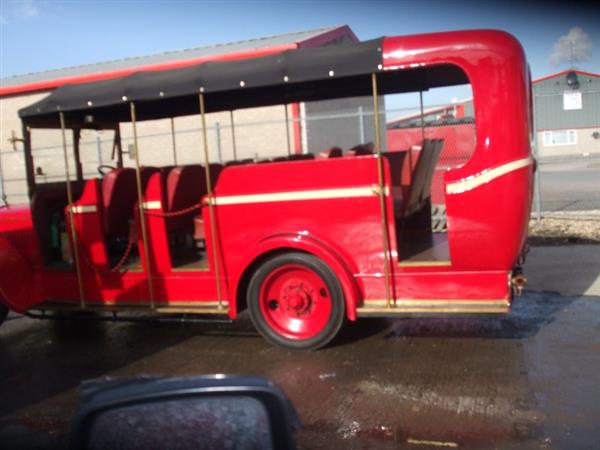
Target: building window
[{"x": 560, "y": 137}]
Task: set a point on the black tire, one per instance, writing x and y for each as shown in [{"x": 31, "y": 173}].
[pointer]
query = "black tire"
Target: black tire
[
  {"x": 3, "y": 312},
  {"x": 333, "y": 299}
]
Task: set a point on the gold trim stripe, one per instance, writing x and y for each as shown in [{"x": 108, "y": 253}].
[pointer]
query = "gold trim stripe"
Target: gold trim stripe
[
  {"x": 435, "y": 306},
  {"x": 486, "y": 176},
  {"x": 154, "y": 204},
  {"x": 81, "y": 209},
  {"x": 315, "y": 194},
  {"x": 176, "y": 310},
  {"x": 424, "y": 263}
]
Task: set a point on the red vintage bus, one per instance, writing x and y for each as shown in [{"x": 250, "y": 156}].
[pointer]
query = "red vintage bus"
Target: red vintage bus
[{"x": 304, "y": 243}]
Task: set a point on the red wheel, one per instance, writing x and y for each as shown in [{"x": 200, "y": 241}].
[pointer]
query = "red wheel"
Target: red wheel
[{"x": 295, "y": 301}]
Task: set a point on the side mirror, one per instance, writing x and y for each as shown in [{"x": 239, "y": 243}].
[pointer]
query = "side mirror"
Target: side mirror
[{"x": 184, "y": 413}]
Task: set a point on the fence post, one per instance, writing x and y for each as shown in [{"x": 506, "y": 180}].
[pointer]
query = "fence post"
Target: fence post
[
  {"x": 218, "y": 136},
  {"x": 99, "y": 149},
  {"x": 538, "y": 182},
  {"x": 361, "y": 125},
  {"x": 2, "y": 191},
  {"x": 537, "y": 187}
]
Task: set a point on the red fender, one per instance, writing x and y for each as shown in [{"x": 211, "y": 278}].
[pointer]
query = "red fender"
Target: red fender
[
  {"x": 16, "y": 278},
  {"x": 317, "y": 248}
]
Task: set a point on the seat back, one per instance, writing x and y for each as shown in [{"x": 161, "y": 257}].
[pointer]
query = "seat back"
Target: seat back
[
  {"x": 300, "y": 157},
  {"x": 185, "y": 187},
  {"x": 332, "y": 152},
  {"x": 435, "y": 156},
  {"x": 362, "y": 149},
  {"x": 119, "y": 195},
  {"x": 396, "y": 162},
  {"x": 423, "y": 172}
]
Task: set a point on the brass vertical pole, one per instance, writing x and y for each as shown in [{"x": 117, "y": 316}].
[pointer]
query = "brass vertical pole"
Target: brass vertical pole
[
  {"x": 173, "y": 141},
  {"x": 233, "y": 135},
  {"x": 287, "y": 130},
  {"x": 74, "y": 240},
  {"x": 384, "y": 221},
  {"x": 422, "y": 116},
  {"x": 138, "y": 179},
  {"x": 211, "y": 213}
]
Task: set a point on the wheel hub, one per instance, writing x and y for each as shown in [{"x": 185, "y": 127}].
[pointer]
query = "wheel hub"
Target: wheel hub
[{"x": 298, "y": 297}]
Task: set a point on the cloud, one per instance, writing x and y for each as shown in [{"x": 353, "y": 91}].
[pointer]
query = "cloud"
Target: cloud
[
  {"x": 27, "y": 9},
  {"x": 19, "y": 10},
  {"x": 574, "y": 46}
]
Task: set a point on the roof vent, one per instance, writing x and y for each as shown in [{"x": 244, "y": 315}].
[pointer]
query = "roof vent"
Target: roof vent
[{"x": 572, "y": 80}]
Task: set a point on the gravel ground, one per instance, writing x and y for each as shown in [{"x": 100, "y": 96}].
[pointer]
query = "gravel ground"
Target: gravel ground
[{"x": 565, "y": 230}]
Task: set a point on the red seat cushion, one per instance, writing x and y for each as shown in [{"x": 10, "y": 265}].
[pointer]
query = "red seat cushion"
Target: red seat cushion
[
  {"x": 186, "y": 185},
  {"x": 119, "y": 195}
]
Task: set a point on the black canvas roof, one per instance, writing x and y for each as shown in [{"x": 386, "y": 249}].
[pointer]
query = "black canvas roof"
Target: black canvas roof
[{"x": 325, "y": 72}]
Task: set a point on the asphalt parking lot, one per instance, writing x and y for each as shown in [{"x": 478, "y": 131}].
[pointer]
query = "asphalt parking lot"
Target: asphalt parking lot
[{"x": 526, "y": 380}]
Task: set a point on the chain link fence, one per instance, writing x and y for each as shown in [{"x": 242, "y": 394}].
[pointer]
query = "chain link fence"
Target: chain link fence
[{"x": 567, "y": 179}]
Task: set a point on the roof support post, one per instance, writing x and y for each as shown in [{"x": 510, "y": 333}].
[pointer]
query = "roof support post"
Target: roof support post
[
  {"x": 76, "y": 141},
  {"x": 74, "y": 239},
  {"x": 381, "y": 192},
  {"x": 211, "y": 212},
  {"x": 287, "y": 130},
  {"x": 174, "y": 144},
  {"x": 233, "y": 135},
  {"x": 140, "y": 195}
]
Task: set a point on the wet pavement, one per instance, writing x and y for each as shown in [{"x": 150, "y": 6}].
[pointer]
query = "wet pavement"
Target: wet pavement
[{"x": 525, "y": 381}]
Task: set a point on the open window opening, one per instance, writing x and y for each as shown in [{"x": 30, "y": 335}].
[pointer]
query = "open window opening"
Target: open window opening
[
  {"x": 49, "y": 200},
  {"x": 428, "y": 133}
]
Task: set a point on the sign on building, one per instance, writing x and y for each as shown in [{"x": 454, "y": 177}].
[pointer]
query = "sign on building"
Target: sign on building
[{"x": 572, "y": 100}]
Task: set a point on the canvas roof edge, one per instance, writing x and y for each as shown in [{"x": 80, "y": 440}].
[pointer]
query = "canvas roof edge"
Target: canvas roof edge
[
  {"x": 310, "y": 38},
  {"x": 105, "y": 99}
]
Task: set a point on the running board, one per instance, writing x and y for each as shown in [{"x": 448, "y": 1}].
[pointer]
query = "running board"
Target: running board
[
  {"x": 199, "y": 307},
  {"x": 117, "y": 317},
  {"x": 426, "y": 306}
]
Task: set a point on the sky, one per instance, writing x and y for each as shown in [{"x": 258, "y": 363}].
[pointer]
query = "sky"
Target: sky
[{"x": 38, "y": 35}]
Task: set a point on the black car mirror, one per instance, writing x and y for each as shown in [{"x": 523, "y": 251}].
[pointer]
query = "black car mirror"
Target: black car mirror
[{"x": 184, "y": 413}]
